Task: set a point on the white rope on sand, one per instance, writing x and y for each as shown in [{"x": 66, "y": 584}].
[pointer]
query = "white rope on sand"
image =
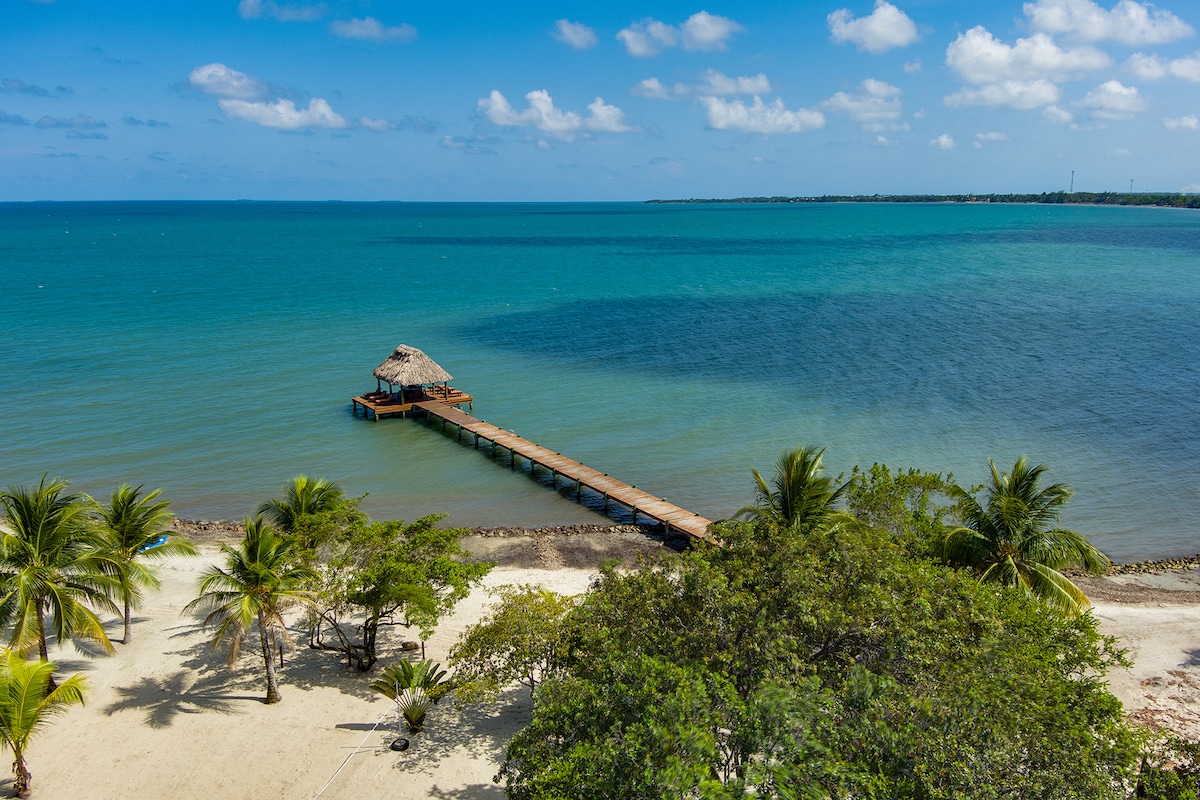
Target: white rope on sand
[{"x": 352, "y": 755}]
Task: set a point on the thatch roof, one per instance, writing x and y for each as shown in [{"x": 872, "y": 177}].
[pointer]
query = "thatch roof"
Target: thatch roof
[{"x": 408, "y": 366}]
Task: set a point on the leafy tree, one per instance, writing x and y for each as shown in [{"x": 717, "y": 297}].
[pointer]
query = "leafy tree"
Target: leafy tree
[
  {"x": 393, "y": 573},
  {"x": 413, "y": 687},
  {"x": 799, "y": 496},
  {"x": 27, "y": 702},
  {"x": 1011, "y": 537},
  {"x": 304, "y": 497},
  {"x": 518, "y": 642},
  {"x": 53, "y": 561},
  {"x": 136, "y": 529},
  {"x": 910, "y": 505},
  {"x": 260, "y": 580},
  {"x": 826, "y": 662}
]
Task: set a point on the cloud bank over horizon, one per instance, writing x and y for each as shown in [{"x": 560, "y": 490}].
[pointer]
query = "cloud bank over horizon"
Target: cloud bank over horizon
[{"x": 870, "y": 95}]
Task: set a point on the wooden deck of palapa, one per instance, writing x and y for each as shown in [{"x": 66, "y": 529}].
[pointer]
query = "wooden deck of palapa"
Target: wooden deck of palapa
[
  {"x": 671, "y": 516},
  {"x": 404, "y": 401}
]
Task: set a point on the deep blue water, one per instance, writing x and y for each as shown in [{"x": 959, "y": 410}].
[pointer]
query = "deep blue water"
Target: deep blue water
[{"x": 212, "y": 348}]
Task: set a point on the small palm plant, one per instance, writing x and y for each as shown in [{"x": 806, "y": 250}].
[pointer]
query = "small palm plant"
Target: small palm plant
[
  {"x": 414, "y": 688},
  {"x": 135, "y": 527},
  {"x": 413, "y": 703},
  {"x": 27, "y": 702}
]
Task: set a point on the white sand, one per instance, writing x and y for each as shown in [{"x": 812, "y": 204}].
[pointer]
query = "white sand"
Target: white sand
[
  {"x": 165, "y": 718},
  {"x": 1163, "y": 687}
]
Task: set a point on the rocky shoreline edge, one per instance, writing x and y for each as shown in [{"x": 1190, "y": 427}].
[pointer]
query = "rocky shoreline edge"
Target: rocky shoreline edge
[
  {"x": 207, "y": 529},
  {"x": 214, "y": 530}
]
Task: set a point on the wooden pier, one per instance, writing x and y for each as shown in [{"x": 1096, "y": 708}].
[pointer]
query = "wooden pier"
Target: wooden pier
[{"x": 671, "y": 516}]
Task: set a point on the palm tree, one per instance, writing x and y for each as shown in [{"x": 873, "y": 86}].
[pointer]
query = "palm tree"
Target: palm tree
[
  {"x": 304, "y": 496},
  {"x": 135, "y": 528},
  {"x": 28, "y": 699},
  {"x": 1013, "y": 538},
  {"x": 799, "y": 498},
  {"x": 53, "y": 561},
  {"x": 260, "y": 580}
]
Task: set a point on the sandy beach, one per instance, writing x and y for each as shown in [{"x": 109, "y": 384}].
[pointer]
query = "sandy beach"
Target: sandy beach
[{"x": 165, "y": 716}]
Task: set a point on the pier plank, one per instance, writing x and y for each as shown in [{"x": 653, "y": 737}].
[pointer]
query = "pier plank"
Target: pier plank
[{"x": 644, "y": 503}]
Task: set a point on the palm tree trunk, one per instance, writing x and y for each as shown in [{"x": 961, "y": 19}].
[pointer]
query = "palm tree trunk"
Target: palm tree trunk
[
  {"x": 51, "y": 685},
  {"x": 128, "y": 626},
  {"x": 268, "y": 658},
  {"x": 21, "y": 776}
]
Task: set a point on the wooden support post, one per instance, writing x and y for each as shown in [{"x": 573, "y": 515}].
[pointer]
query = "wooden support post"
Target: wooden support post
[{"x": 635, "y": 515}]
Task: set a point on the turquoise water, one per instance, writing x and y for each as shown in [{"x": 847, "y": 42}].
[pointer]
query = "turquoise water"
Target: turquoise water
[{"x": 212, "y": 348}]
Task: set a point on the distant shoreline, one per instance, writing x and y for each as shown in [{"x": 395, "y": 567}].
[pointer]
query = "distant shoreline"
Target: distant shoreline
[{"x": 1152, "y": 199}]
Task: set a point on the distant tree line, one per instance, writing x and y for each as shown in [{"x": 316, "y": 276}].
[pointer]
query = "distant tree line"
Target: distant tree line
[{"x": 1164, "y": 199}]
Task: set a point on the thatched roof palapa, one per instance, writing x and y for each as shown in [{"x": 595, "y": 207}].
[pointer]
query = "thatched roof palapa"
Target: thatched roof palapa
[{"x": 408, "y": 366}]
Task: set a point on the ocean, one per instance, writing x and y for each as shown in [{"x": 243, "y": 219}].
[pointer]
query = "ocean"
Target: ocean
[{"x": 212, "y": 349}]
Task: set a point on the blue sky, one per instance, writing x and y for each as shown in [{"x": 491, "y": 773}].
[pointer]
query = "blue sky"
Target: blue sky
[{"x": 294, "y": 99}]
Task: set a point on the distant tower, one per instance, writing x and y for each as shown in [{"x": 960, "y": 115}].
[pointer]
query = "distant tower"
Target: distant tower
[
  {"x": 1072, "y": 181},
  {"x": 1131, "y": 185}
]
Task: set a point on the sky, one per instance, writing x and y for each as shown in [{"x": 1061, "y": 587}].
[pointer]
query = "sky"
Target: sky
[{"x": 541, "y": 101}]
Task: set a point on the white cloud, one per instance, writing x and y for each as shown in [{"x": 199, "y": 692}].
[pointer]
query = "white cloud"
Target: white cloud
[
  {"x": 378, "y": 125},
  {"x": 712, "y": 82},
  {"x": 245, "y": 97},
  {"x": 476, "y": 144},
  {"x": 991, "y": 136},
  {"x": 1057, "y": 116},
  {"x": 718, "y": 83},
  {"x": 1022, "y": 95},
  {"x": 652, "y": 88},
  {"x": 877, "y": 108},
  {"x": 542, "y": 115},
  {"x": 1153, "y": 68},
  {"x": 913, "y": 67},
  {"x": 222, "y": 81},
  {"x": 372, "y": 29},
  {"x": 1114, "y": 100},
  {"x": 1128, "y": 22},
  {"x": 760, "y": 117},
  {"x": 576, "y": 34},
  {"x": 978, "y": 57},
  {"x": 1118, "y": 152},
  {"x": 943, "y": 142},
  {"x": 701, "y": 31},
  {"x": 886, "y": 27},
  {"x": 648, "y": 37},
  {"x": 1191, "y": 188},
  {"x": 1189, "y": 123},
  {"x": 283, "y": 114},
  {"x": 254, "y": 9},
  {"x": 708, "y": 32}
]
